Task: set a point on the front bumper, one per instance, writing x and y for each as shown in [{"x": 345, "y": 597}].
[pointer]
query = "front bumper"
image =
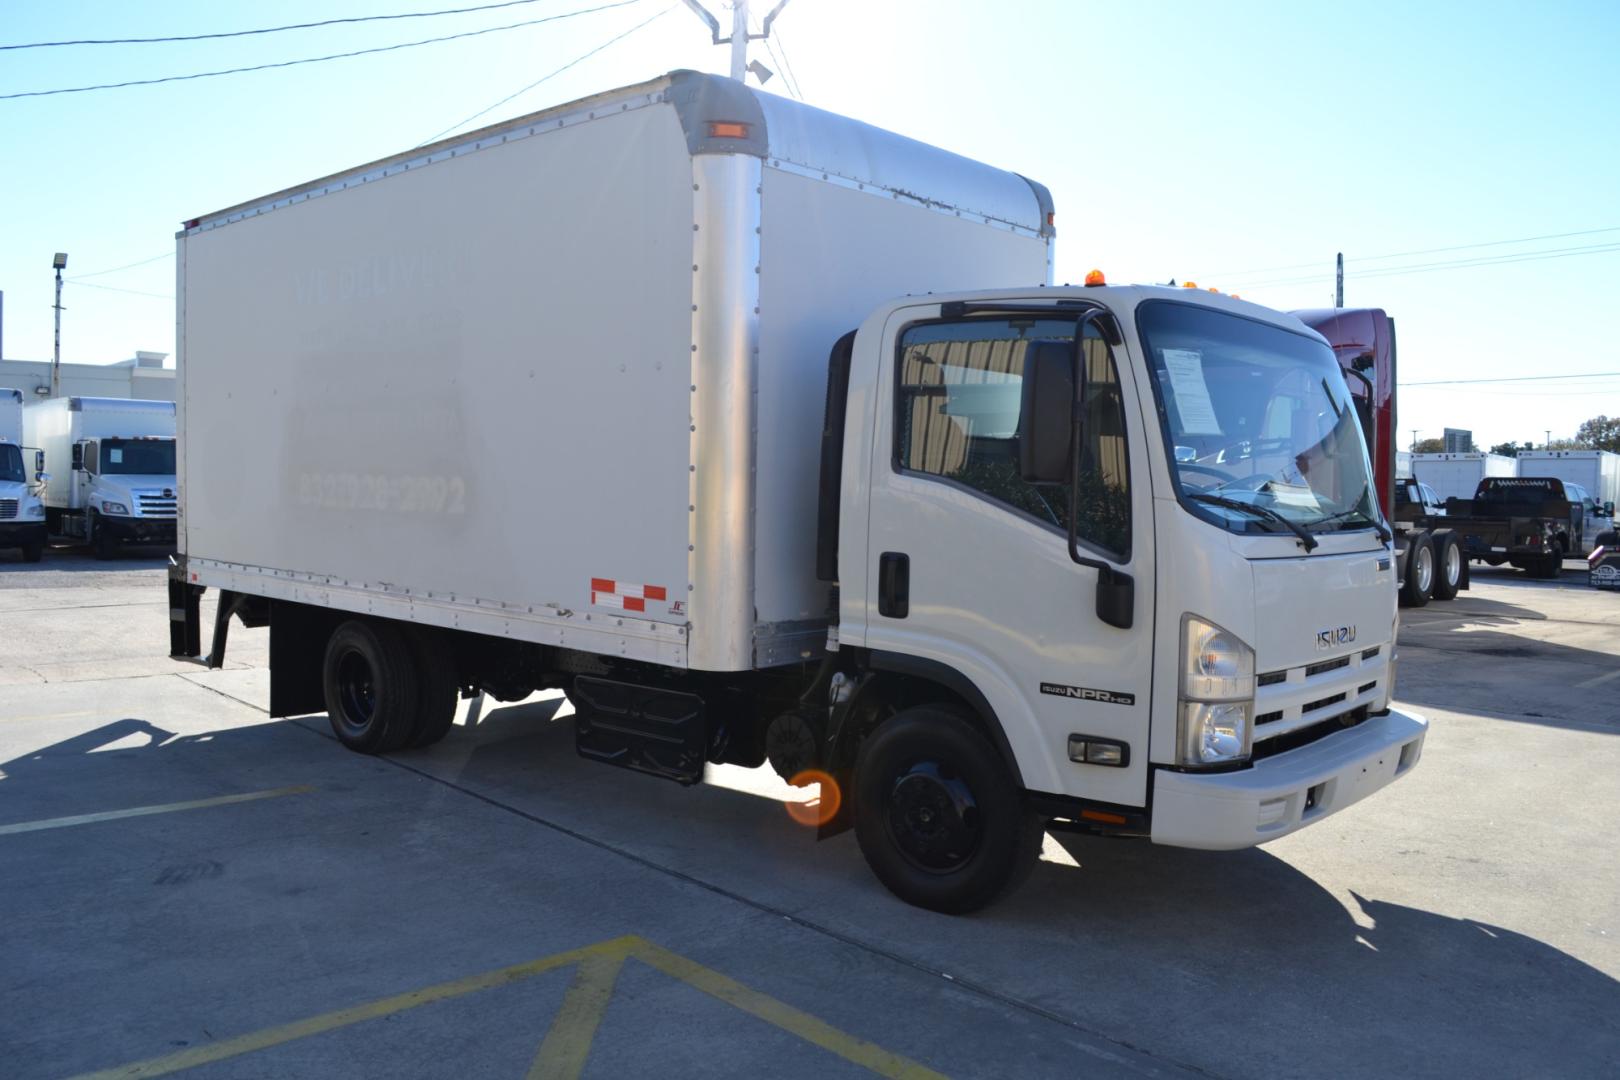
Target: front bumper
[
  {"x": 19, "y": 533},
  {"x": 138, "y": 530},
  {"x": 1225, "y": 811}
]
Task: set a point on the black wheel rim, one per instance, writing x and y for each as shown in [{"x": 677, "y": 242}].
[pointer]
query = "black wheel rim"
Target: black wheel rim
[
  {"x": 933, "y": 817},
  {"x": 357, "y": 692}
]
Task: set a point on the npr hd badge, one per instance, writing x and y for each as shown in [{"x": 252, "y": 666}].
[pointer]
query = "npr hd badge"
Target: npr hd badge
[{"x": 1086, "y": 693}]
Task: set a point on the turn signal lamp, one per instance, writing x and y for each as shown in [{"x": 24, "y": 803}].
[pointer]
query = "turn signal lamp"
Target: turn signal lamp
[
  {"x": 1096, "y": 278},
  {"x": 1213, "y": 289},
  {"x": 1189, "y": 284},
  {"x": 727, "y": 129}
]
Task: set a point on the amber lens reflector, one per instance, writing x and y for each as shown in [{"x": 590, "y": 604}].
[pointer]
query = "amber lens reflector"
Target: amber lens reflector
[
  {"x": 823, "y": 808},
  {"x": 727, "y": 129}
]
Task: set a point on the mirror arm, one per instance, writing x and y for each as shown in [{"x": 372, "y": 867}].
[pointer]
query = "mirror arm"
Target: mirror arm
[{"x": 1116, "y": 591}]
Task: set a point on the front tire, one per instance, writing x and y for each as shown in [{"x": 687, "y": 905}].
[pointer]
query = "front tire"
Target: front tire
[
  {"x": 33, "y": 550},
  {"x": 1419, "y": 584},
  {"x": 371, "y": 688},
  {"x": 103, "y": 543},
  {"x": 939, "y": 817}
]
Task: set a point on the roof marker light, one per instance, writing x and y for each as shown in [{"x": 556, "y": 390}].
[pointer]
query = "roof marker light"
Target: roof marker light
[
  {"x": 1096, "y": 278},
  {"x": 727, "y": 129},
  {"x": 1189, "y": 284}
]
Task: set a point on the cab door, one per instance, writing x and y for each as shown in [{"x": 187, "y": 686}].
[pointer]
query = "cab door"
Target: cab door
[{"x": 989, "y": 587}]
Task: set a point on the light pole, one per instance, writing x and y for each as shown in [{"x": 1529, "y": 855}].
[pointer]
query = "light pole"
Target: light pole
[
  {"x": 1414, "y": 440},
  {"x": 60, "y": 263},
  {"x": 1548, "y": 444}
]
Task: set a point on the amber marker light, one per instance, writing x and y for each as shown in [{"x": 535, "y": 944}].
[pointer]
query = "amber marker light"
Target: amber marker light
[
  {"x": 821, "y": 809},
  {"x": 727, "y": 129},
  {"x": 1103, "y": 816},
  {"x": 1189, "y": 284},
  {"x": 1096, "y": 278}
]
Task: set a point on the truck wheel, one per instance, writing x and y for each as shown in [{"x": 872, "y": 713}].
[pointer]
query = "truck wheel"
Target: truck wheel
[
  {"x": 104, "y": 544},
  {"x": 939, "y": 818},
  {"x": 436, "y": 705},
  {"x": 1448, "y": 562},
  {"x": 33, "y": 550},
  {"x": 1419, "y": 584},
  {"x": 1548, "y": 567},
  {"x": 371, "y": 687}
]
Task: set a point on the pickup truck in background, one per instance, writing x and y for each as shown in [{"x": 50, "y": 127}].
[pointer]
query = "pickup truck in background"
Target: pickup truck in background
[{"x": 1532, "y": 523}]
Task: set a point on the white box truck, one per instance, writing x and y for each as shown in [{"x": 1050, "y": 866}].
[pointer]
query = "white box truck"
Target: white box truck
[
  {"x": 110, "y": 465},
  {"x": 657, "y": 398},
  {"x": 1596, "y": 471},
  {"x": 1456, "y": 476},
  {"x": 22, "y": 514}
]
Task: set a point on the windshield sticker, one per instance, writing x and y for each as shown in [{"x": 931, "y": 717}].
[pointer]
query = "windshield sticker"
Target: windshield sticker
[
  {"x": 1186, "y": 370},
  {"x": 115, "y": 455},
  {"x": 1293, "y": 495}
]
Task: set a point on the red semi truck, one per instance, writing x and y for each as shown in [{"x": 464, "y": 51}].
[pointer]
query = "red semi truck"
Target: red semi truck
[{"x": 1431, "y": 561}]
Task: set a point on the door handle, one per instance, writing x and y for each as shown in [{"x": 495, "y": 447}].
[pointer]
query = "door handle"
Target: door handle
[{"x": 894, "y": 585}]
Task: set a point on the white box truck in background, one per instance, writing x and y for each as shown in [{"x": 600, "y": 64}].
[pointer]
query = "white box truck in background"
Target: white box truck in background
[
  {"x": 22, "y": 514},
  {"x": 659, "y": 398},
  {"x": 111, "y": 468},
  {"x": 1456, "y": 476},
  {"x": 1597, "y": 471}
]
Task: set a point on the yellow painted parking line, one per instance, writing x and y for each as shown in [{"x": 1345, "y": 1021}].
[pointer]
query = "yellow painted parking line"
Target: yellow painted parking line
[
  {"x": 567, "y": 1043},
  {"x": 315, "y": 1025},
  {"x": 786, "y": 1017},
  {"x": 49, "y": 716},
  {"x": 143, "y": 811}
]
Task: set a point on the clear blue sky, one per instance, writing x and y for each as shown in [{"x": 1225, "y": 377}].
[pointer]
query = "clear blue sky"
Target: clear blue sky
[{"x": 1211, "y": 142}]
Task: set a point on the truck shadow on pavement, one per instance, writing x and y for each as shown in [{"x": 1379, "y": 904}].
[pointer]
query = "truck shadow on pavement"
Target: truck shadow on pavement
[{"x": 1156, "y": 949}]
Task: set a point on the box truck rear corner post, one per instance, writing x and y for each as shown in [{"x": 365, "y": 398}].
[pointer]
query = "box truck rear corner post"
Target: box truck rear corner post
[{"x": 692, "y": 402}]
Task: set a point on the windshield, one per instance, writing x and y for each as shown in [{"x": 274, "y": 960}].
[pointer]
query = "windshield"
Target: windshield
[
  {"x": 137, "y": 457},
  {"x": 11, "y": 464},
  {"x": 1262, "y": 431}
]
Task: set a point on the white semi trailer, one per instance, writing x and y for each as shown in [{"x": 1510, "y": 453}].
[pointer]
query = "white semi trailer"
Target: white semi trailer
[
  {"x": 660, "y": 398},
  {"x": 1456, "y": 476},
  {"x": 1598, "y": 471},
  {"x": 110, "y": 465},
  {"x": 22, "y": 514}
]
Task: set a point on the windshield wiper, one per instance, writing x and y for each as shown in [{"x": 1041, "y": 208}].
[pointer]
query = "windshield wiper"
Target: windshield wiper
[
  {"x": 1306, "y": 540},
  {"x": 1378, "y": 526}
]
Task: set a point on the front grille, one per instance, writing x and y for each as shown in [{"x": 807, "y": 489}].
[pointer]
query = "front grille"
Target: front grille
[
  {"x": 1366, "y": 686},
  {"x": 8, "y": 508},
  {"x": 1368, "y": 654},
  {"x": 1327, "y": 665},
  {"x": 1272, "y": 677},
  {"x": 1268, "y": 717},
  {"x": 1293, "y": 740},
  {"x": 1321, "y": 703},
  {"x": 156, "y": 505}
]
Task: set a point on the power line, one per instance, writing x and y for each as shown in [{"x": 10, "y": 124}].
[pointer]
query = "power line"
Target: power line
[
  {"x": 1423, "y": 251},
  {"x": 1516, "y": 379},
  {"x": 126, "y": 266},
  {"x": 1455, "y": 264},
  {"x": 317, "y": 59},
  {"x": 787, "y": 64},
  {"x": 787, "y": 80},
  {"x": 266, "y": 29},
  {"x": 132, "y": 292},
  {"x": 552, "y": 74}
]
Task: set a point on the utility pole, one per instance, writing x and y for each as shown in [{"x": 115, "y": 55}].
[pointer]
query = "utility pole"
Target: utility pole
[
  {"x": 1414, "y": 440},
  {"x": 1548, "y": 446},
  {"x": 1338, "y": 292},
  {"x": 60, "y": 264},
  {"x": 740, "y": 37}
]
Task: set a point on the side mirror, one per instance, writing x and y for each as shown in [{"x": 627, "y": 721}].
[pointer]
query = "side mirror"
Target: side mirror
[
  {"x": 1608, "y": 508},
  {"x": 1046, "y": 413},
  {"x": 39, "y": 461},
  {"x": 78, "y": 456}
]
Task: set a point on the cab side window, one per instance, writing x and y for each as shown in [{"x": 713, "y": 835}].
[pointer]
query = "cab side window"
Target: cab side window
[{"x": 957, "y": 413}]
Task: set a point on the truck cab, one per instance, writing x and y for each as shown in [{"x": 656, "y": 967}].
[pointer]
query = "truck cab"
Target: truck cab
[{"x": 22, "y": 514}]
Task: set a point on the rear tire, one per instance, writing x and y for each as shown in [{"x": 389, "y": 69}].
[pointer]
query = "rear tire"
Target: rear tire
[
  {"x": 1448, "y": 564},
  {"x": 371, "y": 687},
  {"x": 436, "y": 672},
  {"x": 939, "y": 817},
  {"x": 1419, "y": 583}
]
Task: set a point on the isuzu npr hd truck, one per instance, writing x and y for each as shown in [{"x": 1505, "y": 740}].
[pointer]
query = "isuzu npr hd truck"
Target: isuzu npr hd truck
[
  {"x": 22, "y": 514},
  {"x": 110, "y": 463},
  {"x": 690, "y": 401}
]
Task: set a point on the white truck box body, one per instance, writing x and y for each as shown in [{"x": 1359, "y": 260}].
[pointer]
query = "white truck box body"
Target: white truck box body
[
  {"x": 1457, "y": 475},
  {"x": 1598, "y": 471},
  {"x": 54, "y": 426},
  {"x": 608, "y": 330},
  {"x": 11, "y": 415}
]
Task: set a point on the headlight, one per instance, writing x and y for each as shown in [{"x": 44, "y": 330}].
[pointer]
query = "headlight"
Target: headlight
[
  {"x": 36, "y": 510},
  {"x": 1213, "y": 718},
  {"x": 113, "y": 507},
  {"x": 1215, "y": 665},
  {"x": 1213, "y": 733}
]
